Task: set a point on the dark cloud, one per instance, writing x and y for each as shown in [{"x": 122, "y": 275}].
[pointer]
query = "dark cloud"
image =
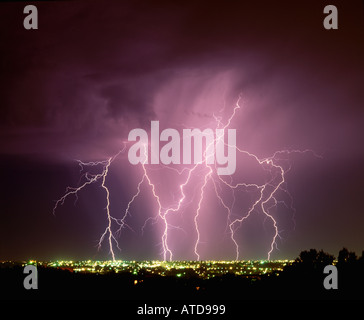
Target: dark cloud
[{"x": 92, "y": 72}]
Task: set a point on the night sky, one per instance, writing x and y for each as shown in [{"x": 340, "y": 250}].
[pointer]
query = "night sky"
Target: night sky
[{"x": 93, "y": 71}]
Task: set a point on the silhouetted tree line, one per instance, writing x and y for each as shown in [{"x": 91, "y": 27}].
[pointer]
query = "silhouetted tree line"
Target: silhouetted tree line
[
  {"x": 306, "y": 274},
  {"x": 314, "y": 259}
]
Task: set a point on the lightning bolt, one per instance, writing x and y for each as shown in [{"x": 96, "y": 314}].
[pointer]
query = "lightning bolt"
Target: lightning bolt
[
  {"x": 265, "y": 194},
  {"x": 92, "y": 179}
]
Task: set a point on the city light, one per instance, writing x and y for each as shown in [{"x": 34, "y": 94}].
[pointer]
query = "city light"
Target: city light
[{"x": 181, "y": 269}]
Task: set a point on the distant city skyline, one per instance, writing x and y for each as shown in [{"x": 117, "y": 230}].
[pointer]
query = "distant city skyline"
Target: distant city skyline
[{"x": 200, "y": 269}]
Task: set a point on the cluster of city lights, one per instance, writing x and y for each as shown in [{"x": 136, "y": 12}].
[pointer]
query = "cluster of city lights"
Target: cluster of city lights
[{"x": 201, "y": 269}]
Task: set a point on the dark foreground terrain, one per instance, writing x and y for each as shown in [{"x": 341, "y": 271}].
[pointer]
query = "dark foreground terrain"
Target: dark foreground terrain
[{"x": 301, "y": 280}]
